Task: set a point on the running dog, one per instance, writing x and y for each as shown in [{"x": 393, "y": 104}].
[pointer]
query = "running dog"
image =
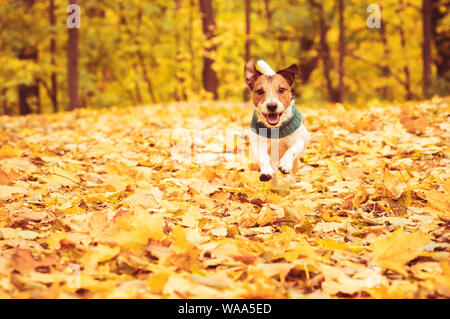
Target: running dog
[{"x": 279, "y": 137}]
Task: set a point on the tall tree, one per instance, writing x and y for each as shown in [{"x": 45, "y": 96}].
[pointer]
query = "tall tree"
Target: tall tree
[
  {"x": 27, "y": 91},
  {"x": 386, "y": 70},
  {"x": 324, "y": 50},
  {"x": 407, "y": 82},
  {"x": 5, "y": 107},
  {"x": 426, "y": 46},
  {"x": 341, "y": 49},
  {"x": 269, "y": 15},
  {"x": 441, "y": 40},
  {"x": 210, "y": 81},
  {"x": 139, "y": 54},
  {"x": 72, "y": 65},
  {"x": 247, "y": 41},
  {"x": 54, "y": 83},
  {"x": 179, "y": 90},
  {"x": 192, "y": 56}
]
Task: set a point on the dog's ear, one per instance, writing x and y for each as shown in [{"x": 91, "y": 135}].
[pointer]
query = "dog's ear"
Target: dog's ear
[
  {"x": 251, "y": 73},
  {"x": 290, "y": 73}
]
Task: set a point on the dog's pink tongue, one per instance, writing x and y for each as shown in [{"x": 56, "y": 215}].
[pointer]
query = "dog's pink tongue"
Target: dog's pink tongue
[{"x": 273, "y": 118}]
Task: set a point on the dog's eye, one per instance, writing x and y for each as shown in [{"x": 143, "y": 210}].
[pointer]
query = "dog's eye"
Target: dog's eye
[
  {"x": 281, "y": 90},
  {"x": 260, "y": 92}
]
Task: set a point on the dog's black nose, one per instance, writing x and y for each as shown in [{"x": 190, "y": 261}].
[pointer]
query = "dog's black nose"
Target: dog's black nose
[{"x": 272, "y": 107}]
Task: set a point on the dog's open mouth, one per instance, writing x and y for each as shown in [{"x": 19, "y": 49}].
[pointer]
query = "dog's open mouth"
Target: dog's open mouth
[{"x": 272, "y": 118}]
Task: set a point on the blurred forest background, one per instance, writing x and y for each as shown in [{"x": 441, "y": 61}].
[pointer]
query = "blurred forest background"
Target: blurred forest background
[{"x": 141, "y": 52}]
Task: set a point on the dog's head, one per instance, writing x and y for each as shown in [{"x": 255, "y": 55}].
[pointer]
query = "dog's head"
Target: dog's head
[{"x": 271, "y": 93}]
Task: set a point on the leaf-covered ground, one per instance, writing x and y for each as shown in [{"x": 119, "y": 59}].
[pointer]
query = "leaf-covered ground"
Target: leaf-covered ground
[{"x": 124, "y": 204}]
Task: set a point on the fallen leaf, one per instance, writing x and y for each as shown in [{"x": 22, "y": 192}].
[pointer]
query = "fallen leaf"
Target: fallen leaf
[
  {"x": 394, "y": 184},
  {"x": 398, "y": 248}
]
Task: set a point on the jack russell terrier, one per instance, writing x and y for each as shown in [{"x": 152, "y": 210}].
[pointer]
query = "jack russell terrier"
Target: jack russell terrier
[{"x": 279, "y": 137}]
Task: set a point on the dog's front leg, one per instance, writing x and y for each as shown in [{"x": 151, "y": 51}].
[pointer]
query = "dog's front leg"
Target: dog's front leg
[
  {"x": 261, "y": 154},
  {"x": 291, "y": 154},
  {"x": 266, "y": 170}
]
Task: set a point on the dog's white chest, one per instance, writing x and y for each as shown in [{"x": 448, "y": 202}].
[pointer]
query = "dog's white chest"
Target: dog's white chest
[{"x": 277, "y": 148}]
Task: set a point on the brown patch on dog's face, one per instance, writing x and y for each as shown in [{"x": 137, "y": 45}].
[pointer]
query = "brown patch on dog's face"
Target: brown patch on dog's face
[
  {"x": 271, "y": 94},
  {"x": 272, "y": 88}
]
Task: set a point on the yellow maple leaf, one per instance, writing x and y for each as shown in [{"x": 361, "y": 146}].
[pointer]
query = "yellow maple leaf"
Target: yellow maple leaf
[
  {"x": 440, "y": 201},
  {"x": 143, "y": 198},
  {"x": 134, "y": 229},
  {"x": 268, "y": 215},
  {"x": 203, "y": 187},
  {"x": 272, "y": 269},
  {"x": 58, "y": 176},
  {"x": 394, "y": 184},
  {"x": 398, "y": 248},
  {"x": 4, "y": 178},
  {"x": 335, "y": 169},
  {"x": 301, "y": 248},
  {"x": 158, "y": 281},
  {"x": 397, "y": 290},
  {"x": 180, "y": 244},
  {"x": 98, "y": 254},
  {"x": 7, "y": 151}
]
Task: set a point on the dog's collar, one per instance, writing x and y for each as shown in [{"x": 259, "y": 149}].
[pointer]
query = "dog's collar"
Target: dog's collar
[{"x": 285, "y": 129}]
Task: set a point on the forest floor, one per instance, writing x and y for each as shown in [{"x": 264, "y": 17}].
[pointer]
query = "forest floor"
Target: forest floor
[{"x": 144, "y": 203}]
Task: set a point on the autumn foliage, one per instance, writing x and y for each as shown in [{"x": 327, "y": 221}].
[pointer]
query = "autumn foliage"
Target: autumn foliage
[
  {"x": 93, "y": 204},
  {"x": 138, "y": 52}
]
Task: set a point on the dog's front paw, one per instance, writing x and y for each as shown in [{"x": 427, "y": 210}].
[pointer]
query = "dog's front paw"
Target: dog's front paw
[
  {"x": 265, "y": 177},
  {"x": 285, "y": 167},
  {"x": 266, "y": 174}
]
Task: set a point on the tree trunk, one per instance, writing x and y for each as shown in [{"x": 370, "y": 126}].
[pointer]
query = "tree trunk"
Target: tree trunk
[
  {"x": 269, "y": 15},
  {"x": 138, "y": 93},
  {"x": 28, "y": 91},
  {"x": 407, "y": 82},
  {"x": 426, "y": 47},
  {"x": 341, "y": 50},
  {"x": 179, "y": 90},
  {"x": 194, "y": 84},
  {"x": 307, "y": 64},
  {"x": 72, "y": 66},
  {"x": 54, "y": 89},
  {"x": 441, "y": 38},
  {"x": 386, "y": 70},
  {"x": 210, "y": 81},
  {"x": 5, "y": 106},
  {"x": 139, "y": 54},
  {"x": 324, "y": 52},
  {"x": 145, "y": 75},
  {"x": 247, "y": 41}
]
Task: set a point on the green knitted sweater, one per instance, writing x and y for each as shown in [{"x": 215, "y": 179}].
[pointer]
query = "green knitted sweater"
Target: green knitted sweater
[{"x": 288, "y": 127}]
